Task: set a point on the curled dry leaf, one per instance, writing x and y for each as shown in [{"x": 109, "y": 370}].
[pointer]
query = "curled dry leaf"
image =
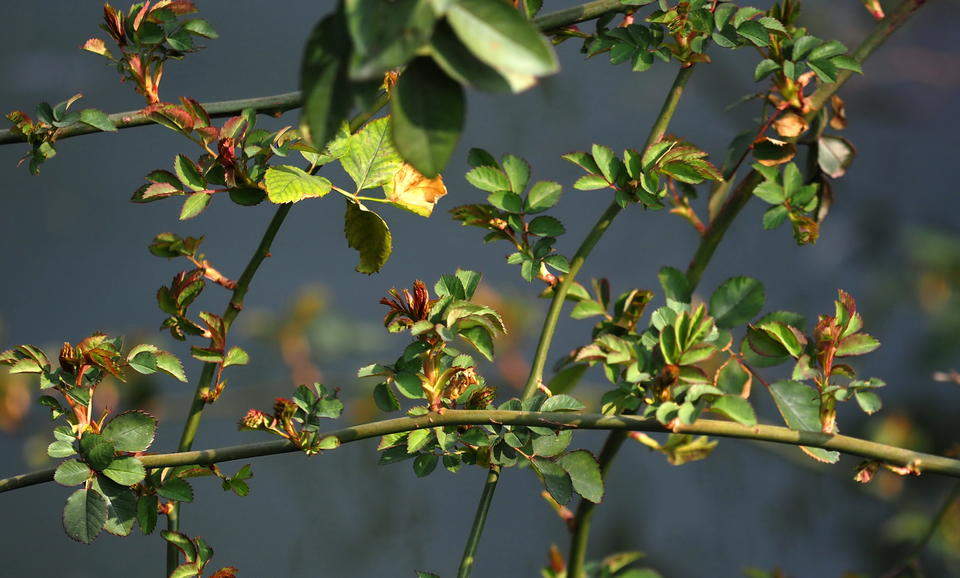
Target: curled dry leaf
[
  {"x": 415, "y": 192},
  {"x": 790, "y": 125},
  {"x": 838, "y": 121},
  {"x": 771, "y": 152}
]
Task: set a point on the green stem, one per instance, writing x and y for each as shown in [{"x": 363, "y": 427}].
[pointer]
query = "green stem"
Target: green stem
[
  {"x": 233, "y": 309},
  {"x": 279, "y": 103},
  {"x": 470, "y": 550},
  {"x": 209, "y": 369},
  {"x": 927, "y": 463},
  {"x": 586, "y": 247},
  {"x": 921, "y": 544},
  {"x": 657, "y": 131},
  {"x": 707, "y": 247},
  {"x": 230, "y": 314}
]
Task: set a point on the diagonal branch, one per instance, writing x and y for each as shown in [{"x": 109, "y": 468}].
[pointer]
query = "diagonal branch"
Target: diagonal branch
[{"x": 924, "y": 462}]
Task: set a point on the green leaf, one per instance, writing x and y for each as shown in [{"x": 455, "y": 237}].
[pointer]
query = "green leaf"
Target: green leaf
[
  {"x": 428, "y": 113},
  {"x": 555, "y": 479},
  {"x": 236, "y": 356},
  {"x": 488, "y": 178},
  {"x": 182, "y": 542},
  {"x": 132, "y": 431},
  {"x": 324, "y": 80},
  {"x": 546, "y": 226},
  {"x": 368, "y": 233},
  {"x": 480, "y": 338},
  {"x": 567, "y": 378},
  {"x": 868, "y": 401},
  {"x": 424, "y": 464},
  {"x": 71, "y": 473},
  {"x": 147, "y": 513},
  {"x": 84, "y": 515},
  {"x": 857, "y": 344},
  {"x": 799, "y": 404},
  {"x": 518, "y": 172},
  {"x": 189, "y": 173},
  {"x": 247, "y": 196},
  {"x": 827, "y": 50},
  {"x": 584, "y": 472},
  {"x": 542, "y": 196},
  {"x": 176, "y": 489},
  {"x": 460, "y": 64},
  {"x": 585, "y": 309},
  {"x": 286, "y": 184},
  {"x": 736, "y": 301},
  {"x": 97, "y": 119},
  {"x": 121, "y": 506},
  {"x": 60, "y": 449},
  {"x": 774, "y": 217},
  {"x": 561, "y": 402},
  {"x": 417, "y": 439},
  {"x": 754, "y": 32},
  {"x": 386, "y": 33},
  {"x": 168, "y": 363},
  {"x": 675, "y": 284},
  {"x": 371, "y": 159},
  {"x": 194, "y": 205},
  {"x": 732, "y": 378},
  {"x": 125, "y": 471},
  {"x": 97, "y": 451},
  {"x": 764, "y": 69},
  {"x": 736, "y": 408},
  {"x": 200, "y": 27},
  {"x": 498, "y": 35}
]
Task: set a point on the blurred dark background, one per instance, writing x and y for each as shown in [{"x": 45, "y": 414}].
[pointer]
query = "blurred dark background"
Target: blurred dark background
[{"x": 75, "y": 261}]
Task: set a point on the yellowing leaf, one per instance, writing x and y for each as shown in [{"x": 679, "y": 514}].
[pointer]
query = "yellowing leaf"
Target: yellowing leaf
[
  {"x": 286, "y": 184},
  {"x": 415, "y": 192}
]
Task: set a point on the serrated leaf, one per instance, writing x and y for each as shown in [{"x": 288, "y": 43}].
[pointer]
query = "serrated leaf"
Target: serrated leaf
[
  {"x": 194, "y": 205},
  {"x": 71, "y": 473},
  {"x": 97, "y": 451},
  {"x": 372, "y": 160},
  {"x": 287, "y": 184},
  {"x": 176, "y": 489},
  {"x": 736, "y": 301},
  {"x": 97, "y": 119},
  {"x": 125, "y": 471},
  {"x": 84, "y": 515},
  {"x": 236, "y": 356},
  {"x": 132, "y": 431}
]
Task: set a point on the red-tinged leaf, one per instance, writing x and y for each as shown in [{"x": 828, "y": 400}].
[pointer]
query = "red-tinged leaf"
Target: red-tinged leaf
[{"x": 196, "y": 110}]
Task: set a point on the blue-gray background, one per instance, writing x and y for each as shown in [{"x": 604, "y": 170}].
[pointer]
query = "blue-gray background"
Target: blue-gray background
[{"x": 74, "y": 261}]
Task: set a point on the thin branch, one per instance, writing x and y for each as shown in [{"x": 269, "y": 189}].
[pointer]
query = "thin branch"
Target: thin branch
[
  {"x": 927, "y": 463},
  {"x": 230, "y": 314},
  {"x": 483, "y": 507},
  {"x": 603, "y": 223},
  {"x": 279, "y": 103},
  {"x": 952, "y": 496}
]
